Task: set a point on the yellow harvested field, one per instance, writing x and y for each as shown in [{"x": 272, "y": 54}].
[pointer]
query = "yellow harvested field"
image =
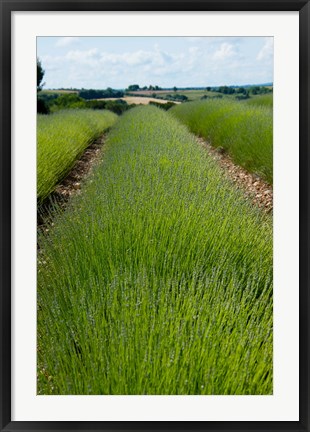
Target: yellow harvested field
[
  {"x": 139, "y": 100},
  {"x": 59, "y": 91}
]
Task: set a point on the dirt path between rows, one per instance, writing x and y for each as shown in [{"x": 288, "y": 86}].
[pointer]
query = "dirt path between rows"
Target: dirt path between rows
[
  {"x": 71, "y": 184},
  {"x": 259, "y": 191}
]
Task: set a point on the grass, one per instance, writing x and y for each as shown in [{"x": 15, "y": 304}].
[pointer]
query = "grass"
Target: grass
[
  {"x": 158, "y": 278},
  {"x": 244, "y": 131},
  {"x": 58, "y": 92},
  {"x": 194, "y": 95},
  {"x": 261, "y": 100},
  {"x": 61, "y": 138},
  {"x": 163, "y": 94}
]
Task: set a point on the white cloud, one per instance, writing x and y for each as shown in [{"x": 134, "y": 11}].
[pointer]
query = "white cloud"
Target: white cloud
[
  {"x": 77, "y": 55},
  {"x": 137, "y": 58},
  {"x": 89, "y": 57},
  {"x": 226, "y": 50},
  {"x": 209, "y": 61},
  {"x": 66, "y": 41},
  {"x": 266, "y": 53},
  {"x": 193, "y": 50}
]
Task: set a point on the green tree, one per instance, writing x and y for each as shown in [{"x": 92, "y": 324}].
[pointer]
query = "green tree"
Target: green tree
[
  {"x": 255, "y": 90},
  {"x": 175, "y": 89},
  {"x": 133, "y": 87},
  {"x": 40, "y": 75},
  {"x": 42, "y": 104},
  {"x": 241, "y": 90}
]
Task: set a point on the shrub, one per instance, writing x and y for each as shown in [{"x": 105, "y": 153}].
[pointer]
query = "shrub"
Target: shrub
[
  {"x": 42, "y": 106},
  {"x": 117, "y": 106},
  {"x": 67, "y": 101},
  {"x": 101, "y": 94},
  {"x": 165, "y": 106}
]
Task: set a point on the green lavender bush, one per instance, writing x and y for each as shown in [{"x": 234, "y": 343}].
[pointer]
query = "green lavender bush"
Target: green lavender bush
[{"x": 157, "y": 280}]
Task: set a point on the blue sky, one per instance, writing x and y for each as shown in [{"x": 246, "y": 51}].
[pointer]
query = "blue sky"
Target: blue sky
[{"x": 101, "y": 62}]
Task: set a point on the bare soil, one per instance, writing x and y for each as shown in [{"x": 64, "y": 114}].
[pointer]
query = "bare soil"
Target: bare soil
[
  {"x": 140, "y": 100},
  {"x": 71, "y": 184},
  {"x": 150, "y": 92}
]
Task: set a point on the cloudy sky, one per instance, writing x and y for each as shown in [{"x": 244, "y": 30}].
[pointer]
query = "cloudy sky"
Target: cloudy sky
[{"x": 101, "y": 62}]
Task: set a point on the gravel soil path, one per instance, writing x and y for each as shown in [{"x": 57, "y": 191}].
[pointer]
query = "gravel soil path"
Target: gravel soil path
[
  {"x": 71, "y": 184},
  {"x": 260, "y": 192}
]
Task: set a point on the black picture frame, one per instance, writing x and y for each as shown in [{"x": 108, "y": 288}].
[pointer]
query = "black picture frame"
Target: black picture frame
[{"x": 7, "y": 7}]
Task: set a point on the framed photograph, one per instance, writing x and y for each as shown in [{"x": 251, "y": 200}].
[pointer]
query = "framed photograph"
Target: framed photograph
[{"x": 154, "y": 215}]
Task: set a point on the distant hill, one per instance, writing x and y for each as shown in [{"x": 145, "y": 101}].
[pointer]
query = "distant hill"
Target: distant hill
[
  {"x": 270, "y": 84},
  {"x": 256, "y": 85}
]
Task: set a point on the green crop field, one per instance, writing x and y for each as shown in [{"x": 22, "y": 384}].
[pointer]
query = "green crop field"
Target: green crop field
[
  {"x": 58, "y": 92},
  {"x": 244, "y": 131},
  {"x": 61, "y": 138},
  {"x": 158, "y": 277},
  {"x": 194, "y": 95},
  {"x": 261, "y": 100},
  {"x": 190, "y": 94},
  {"x": 163, "y": 94}
]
